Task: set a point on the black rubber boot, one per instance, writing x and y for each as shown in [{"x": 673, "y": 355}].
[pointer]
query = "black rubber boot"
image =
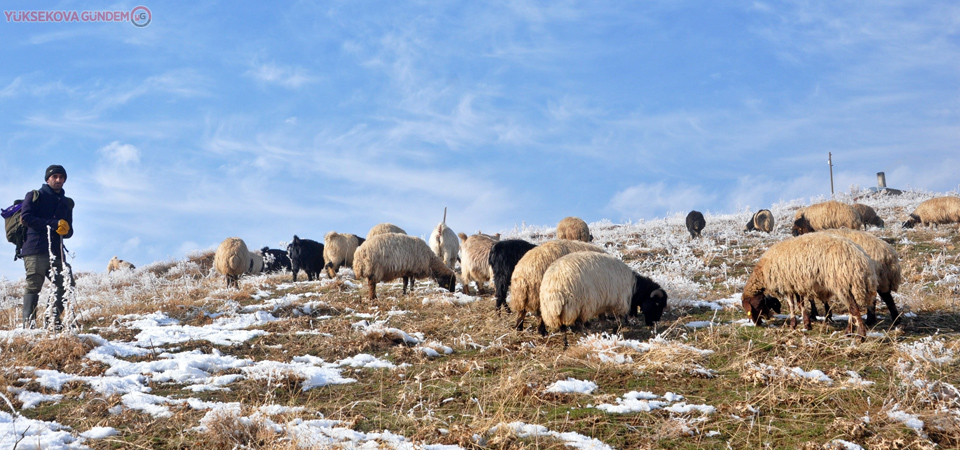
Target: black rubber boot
[{"x": 30, "y": 309}]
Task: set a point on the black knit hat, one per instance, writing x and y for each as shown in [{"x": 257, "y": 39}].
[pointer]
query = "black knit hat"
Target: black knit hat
[{"x": 55, "y": 169}]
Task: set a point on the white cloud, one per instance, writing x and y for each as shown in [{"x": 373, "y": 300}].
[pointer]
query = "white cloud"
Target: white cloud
[
  {"x": 287, "y": 76},
  {"x": 116, "y": 153}
]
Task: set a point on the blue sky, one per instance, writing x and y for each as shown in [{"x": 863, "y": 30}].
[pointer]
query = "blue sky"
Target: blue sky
[{"x": 266, "y": 120}]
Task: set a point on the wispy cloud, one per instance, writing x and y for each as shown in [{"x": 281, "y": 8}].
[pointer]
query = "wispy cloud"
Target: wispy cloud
[{"x": 291, "y": 77}]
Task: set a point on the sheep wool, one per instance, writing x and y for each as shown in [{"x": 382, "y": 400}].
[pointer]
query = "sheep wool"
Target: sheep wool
[
  {"x": 868, "y": 215},
  {"x": 118, "y": 264},
  {"x": 389, "y": 256},
  {"x": 338, "y": 250},
  {"x": 384, "y": 228},
  {"x": 936, "y": 211},
  {"x": 817, "y": 265},
  {"x": 445, "y": 244},
  {"x": 887, "y": 262},
  {"x": 762, "y": 220},
  {"x": 475, "y": 261},
  {"x": 821, "y": 216},
  {"x": 232, "y": 260},
  {"x": 574, "y": 229},
  {"x": 527, "y": 275},
  {"x": 583, "y": 285}
]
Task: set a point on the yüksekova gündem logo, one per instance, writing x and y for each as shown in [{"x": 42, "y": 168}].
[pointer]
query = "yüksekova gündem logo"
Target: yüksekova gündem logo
[{"x": 139, "y": 16}]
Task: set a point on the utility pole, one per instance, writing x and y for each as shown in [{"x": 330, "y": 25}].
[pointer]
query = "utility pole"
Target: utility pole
[{"x": 830, "y": 163}]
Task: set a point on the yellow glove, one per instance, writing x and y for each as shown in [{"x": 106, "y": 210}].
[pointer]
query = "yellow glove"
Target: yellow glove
[{"x": 63, "y": 227}]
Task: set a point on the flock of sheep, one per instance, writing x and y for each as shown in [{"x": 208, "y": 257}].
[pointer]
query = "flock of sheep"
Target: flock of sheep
[
  {"x": 564, "y": 283},
  {"x": 830, "y": 257},
  {"x": 569, "y": 281}
]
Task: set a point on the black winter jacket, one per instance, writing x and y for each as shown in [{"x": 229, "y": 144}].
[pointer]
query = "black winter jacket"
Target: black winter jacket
[{"x": 49, "y": 208}]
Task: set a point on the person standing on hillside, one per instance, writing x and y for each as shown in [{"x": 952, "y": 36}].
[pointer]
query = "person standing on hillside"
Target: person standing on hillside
[{"x": 48, "y": 215}]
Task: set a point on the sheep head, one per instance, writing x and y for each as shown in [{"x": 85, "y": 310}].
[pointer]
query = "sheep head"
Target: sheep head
[
  {"x": 447, "y": 281},
  {"x": 801, "y": 226},
  {"x": 759, "y": 306},
  {"x": 649, "y": 298},
  {"x": 750, "y": 226},
  {"x": 913, "y": 220}
]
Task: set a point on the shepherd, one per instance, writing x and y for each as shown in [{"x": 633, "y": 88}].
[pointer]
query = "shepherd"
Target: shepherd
[{"x": 48, "y": 216}]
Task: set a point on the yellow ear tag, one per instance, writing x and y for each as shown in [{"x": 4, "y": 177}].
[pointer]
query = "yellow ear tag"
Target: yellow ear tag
[{"x": 749, "y": 313}]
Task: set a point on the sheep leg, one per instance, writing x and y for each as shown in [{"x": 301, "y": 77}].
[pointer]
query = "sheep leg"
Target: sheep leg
[
  {"x": 520, "y": 315},
  {"x": 405, "y": 281},
  {"x": 891, "y": 306},
  {"x": 542, "y": 328},
  {"x": 466, "y": 287},
  {"x": 373, "y": 289},
  {"x": 480, "y": 290},
  {"x": 872, "y": 311},
  {"x": 807, "y": 314}
]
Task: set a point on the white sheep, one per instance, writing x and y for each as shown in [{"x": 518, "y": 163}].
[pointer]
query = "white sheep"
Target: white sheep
[
  {"x": 527, "y": 275},
  {"x": 338, "y": 250},
  {"x": 389, "y": 256},
  {"x": 232, "y": 260},
  {"x": 583, "y": 285},
  {"x": 384, "y": 228},
  {"x": 475, "y": 261},
  {"x": 445, "y": 244},
  {"x": 812, "y": 266}
]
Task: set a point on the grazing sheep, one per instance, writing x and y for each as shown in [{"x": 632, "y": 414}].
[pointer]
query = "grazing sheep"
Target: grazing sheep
[
  {"x": 811, "y": 266},
  {"x": 582, "y": 285},
  {"x": 504, "y": 256},
  {"x": 695, "y": 223},
  {"x": 935, "y": 211},
  {"x": 821, "y": 216},
  {"x": 305, "y": 254},
  {"x": 446, "y": 245},
  {"x": 338, "y": 250},
  {"x": 275, "y": 260},
  {"x": 762, "y": 220},
  {"x": 888, "y": 270},
  {"x": 232, "y": 260},
  {"x": 389, "y": 256},
  {"x": 868, "y": 215},
  {"x": 475, "y": 261},
  {"x": 574, "y": 229},
  {"x": 118, "y": 264},
  {"x": 384, "y": 228},
  {"x": 527, "y": 275}
]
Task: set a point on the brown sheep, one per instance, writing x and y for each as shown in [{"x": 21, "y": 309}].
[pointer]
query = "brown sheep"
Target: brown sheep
[
  {"x": 808, "y": 267},
  {"x": 118, "y": 264},
  {"x": 762, "y": 220},
  {"x": 936, "y": 211},
  {"x": 574, "y": 229},
  {"x": 868, "y": 215},
  {"x": 830, "y": 214},
  {"x": 888, "y": 270}
]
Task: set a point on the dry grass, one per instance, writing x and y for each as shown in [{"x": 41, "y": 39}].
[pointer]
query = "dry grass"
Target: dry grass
[{"x": 496, "y": 376}]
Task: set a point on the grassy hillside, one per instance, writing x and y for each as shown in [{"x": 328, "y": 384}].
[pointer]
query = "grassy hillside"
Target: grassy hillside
[{"x": 167, "y": 357}]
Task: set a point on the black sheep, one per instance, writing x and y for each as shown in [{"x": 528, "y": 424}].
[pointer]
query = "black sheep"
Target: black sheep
[
  {"x": 695, "y": 223},
  {"x": 305, "y": 254},
  {"x": 274, "y": 260},
  {"x": 504, "y": 256}
]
